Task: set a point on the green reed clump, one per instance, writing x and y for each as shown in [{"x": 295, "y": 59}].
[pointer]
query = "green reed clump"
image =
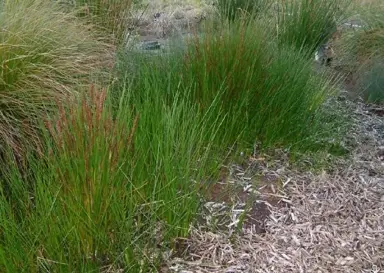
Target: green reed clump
[{"x": 307, "y": 24}]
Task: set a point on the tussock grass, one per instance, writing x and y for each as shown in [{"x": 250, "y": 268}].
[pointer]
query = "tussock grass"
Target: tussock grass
[
  {"x": 268, "y": 93},
  {"x": 45, "y": 55},
  {"x": 371, "y": 13},
  {"x": 372, "y": 83},
  {"x": 232, "y": 9},
  {"x": 261, "y": 91},
  {"x": 113, "y": 16},
  {"x": 306, "y": 24},
  {"x": 362, "y": 51}
]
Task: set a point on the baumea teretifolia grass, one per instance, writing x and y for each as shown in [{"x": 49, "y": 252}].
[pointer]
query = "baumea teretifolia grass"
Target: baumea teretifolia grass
[
  {"x": 112, "y": 188},
  {"x": 267, "y": 92},
  {"x": 307, "y": 24}
]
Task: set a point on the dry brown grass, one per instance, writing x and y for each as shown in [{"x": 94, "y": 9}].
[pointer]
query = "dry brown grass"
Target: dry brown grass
[
  {"x": 45, "y": 54},
  {"x": 112, "y": 16}
]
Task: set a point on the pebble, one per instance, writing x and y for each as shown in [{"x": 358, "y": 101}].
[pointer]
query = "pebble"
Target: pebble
[{"x": 150, "y": 45}]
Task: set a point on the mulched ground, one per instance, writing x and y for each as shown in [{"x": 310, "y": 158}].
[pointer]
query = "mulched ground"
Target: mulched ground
[{"x": 297, "y": 221}]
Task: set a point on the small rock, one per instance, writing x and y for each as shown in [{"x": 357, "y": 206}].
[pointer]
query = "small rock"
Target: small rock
[{"x": 151, "y": 45}]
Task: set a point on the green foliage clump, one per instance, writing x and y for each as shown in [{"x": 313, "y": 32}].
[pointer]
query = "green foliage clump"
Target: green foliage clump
[
  {"x": 232, "y": 9},
  {"x": 112, "y": 188},
  {"x": 372, "y": 83},
  {"x": 361, "y": 52},
  {"x": 266, "y": 92},
  {"x": 307, "y": 24}
]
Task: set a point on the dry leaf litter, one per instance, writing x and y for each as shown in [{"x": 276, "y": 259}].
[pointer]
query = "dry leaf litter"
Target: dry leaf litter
[{"x": 331, "y": 221}]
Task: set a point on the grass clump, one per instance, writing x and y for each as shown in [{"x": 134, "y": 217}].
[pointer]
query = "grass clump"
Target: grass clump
[
  {"x": 112, "y": 16},
  {"x": 372, "y": 83},
  {"x": 260, "y": 91},
  {"x": 232, "y": 9},
  {"x": 361, "y": 48},
  {"x": 361, "y": 52},
  {"x": 268, "y": 93},
  {"x": 371, "y": 13},
  {"x": 45, "y": 55},
  {"x": 75, "y": 205},
  {"x": 112, "y": 190},
  {"x": 307, "y": 24}
]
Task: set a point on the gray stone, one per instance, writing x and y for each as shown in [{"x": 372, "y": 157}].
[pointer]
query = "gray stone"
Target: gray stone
[{"x": 150, "y": 45}]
